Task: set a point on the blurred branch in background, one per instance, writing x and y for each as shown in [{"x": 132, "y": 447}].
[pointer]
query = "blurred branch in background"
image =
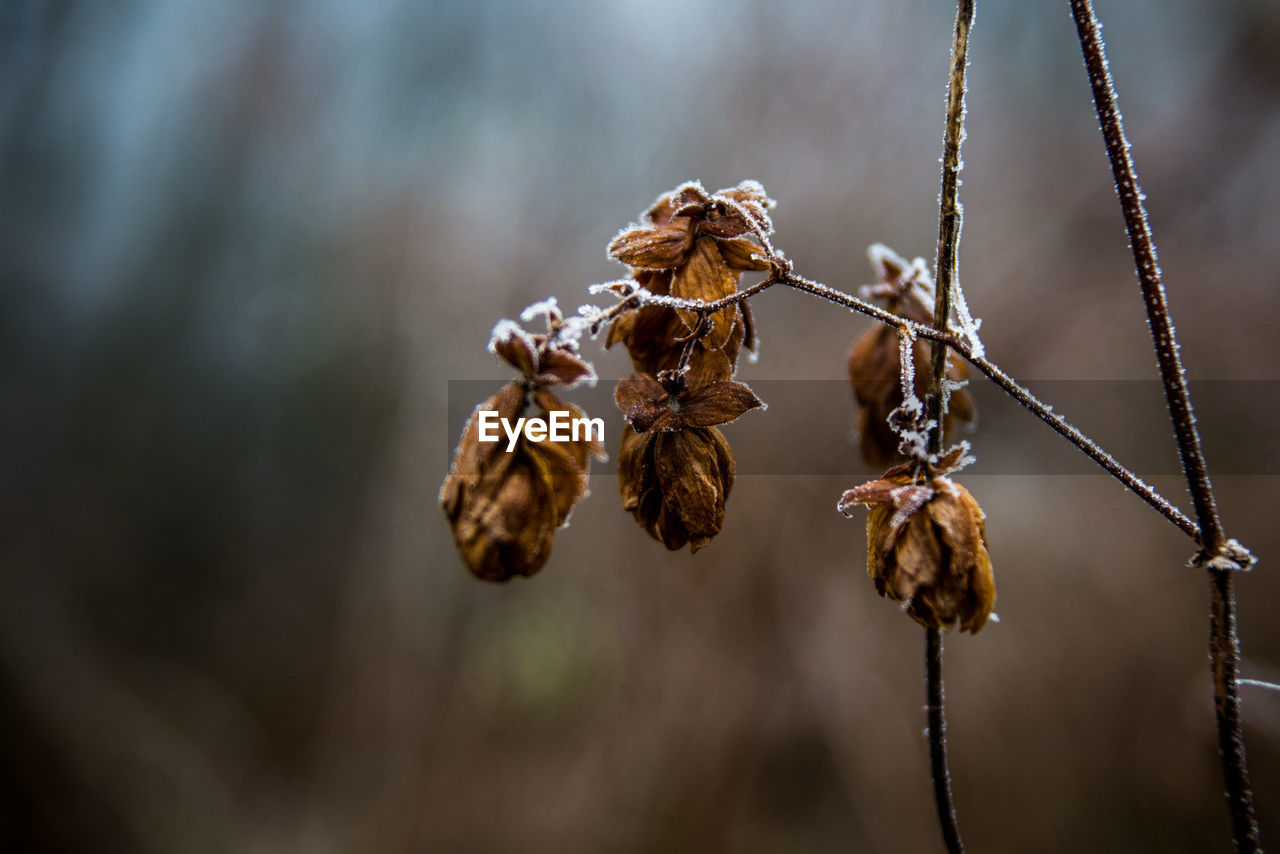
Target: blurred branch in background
[{"x": 246, "y": 245}]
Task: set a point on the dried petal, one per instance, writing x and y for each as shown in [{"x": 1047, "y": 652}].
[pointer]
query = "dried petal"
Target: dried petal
[
  {"x": 637, "y": 389},
  {"x": 560, "y": 367},
  {"x": 516, "y": 347},
  {"x": 687, "y": 195},
  {"x": 504, "y": 506},
  {"x": 750, "y": 195},
  {"x": 694, "y": 488},
  {"x": 717, "y": 403},
  {"x": 706, "y": 277},
  {"x": 503, "y": 520},
  {"x": 741, "y": 254},
  {"x": 927, "y": 549},
  {"x": 656, "y": 247},
  {"x": 724, "y": 224},
  {"x": 676, "y": 484}
]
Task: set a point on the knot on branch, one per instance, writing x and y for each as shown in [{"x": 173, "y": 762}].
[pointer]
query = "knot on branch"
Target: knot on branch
[{"x": 1232, "y": 557}]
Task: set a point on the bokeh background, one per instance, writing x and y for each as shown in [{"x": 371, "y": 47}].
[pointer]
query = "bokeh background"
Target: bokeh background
[{"x": 246, "y": 245}]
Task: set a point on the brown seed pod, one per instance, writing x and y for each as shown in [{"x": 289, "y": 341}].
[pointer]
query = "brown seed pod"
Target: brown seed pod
[
  {"x": 875, "y": 366},
  {"x": 875, "y": 373},
  {"x": 504, "y": 506},
  {"x": 675, "y": 470},
  {"x": 927, "y": 548}
]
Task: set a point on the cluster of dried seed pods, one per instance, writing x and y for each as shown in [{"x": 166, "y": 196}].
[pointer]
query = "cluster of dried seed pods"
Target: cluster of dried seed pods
[{"x": 926, "y": 538}]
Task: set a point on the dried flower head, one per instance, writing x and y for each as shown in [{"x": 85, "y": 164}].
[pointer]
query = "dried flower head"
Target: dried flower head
[
  {"x": 875, "y": 366},
  {"x": 702, "y": 241},
  {"x": 675, "y": 469},
  {"x": 927, "y": 547},
  {"x": 504, "y": 504},
  {"x": 654, "y": 337}
]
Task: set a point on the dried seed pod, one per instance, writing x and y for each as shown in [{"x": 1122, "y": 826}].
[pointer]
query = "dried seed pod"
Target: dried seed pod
[
  {"x": 652, "y": 335},
  {"x": 875, "y": 366},
  {"x": 504, "y": 506},
  {"x": 875, "y": 373},
  {"x": 675, "y": 470},
  {"x": 504, "y": 500},
  {"x": 694, "y": 246},
  {"x": 927, "y": 548},
  {"x": 676, "y": 483}
]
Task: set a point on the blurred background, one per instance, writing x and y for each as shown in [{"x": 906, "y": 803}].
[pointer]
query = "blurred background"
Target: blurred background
[{"x": 245, "y": 248}]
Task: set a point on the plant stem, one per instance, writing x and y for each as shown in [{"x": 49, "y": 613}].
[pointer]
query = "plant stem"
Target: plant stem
[
  {"x": 949, "y": 220},
  {"x": 934, "y": 695},
  {"x": 1006, "y": 383},
  {"x": 1224, "y": 644},
  {"x": 1153, "y": 294}
]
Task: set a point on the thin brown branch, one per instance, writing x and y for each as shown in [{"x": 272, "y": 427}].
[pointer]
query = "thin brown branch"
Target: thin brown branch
[
  {"x": 1217, "y": 550},
  {"x": 949, "y": 220},
  {"x": 936, "y": 697}
]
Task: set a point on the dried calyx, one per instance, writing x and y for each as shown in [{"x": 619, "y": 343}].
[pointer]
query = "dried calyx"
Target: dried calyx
[
  {"x": 927, "y": 543},
  {"x": 876, "y": 368},
  {"x": 504, "y": 505},
  {"x": 675, "y": 469}
]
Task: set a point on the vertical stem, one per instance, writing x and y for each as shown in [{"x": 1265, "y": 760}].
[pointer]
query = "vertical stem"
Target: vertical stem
[
  {"x": 938, "y": 741},
  {"x": 1224, "y": 658},
  {"x": 1224, "y": 644},
  {"x": 1144, "y": 256},
  {"x": 949, "y": 217},
  {"x": 949, "y": 222}
]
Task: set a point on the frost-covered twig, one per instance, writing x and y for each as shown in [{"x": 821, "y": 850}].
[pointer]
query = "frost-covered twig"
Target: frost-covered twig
[
  {"x": 949, "y": 222},
  {"x": 1216, "y": 550}
]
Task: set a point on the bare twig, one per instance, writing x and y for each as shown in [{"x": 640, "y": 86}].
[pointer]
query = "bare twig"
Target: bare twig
[
  {"x": 938, "y": 740},
  {"x": 949, "y": 221},
  {"x": 1224, "y": 643}
]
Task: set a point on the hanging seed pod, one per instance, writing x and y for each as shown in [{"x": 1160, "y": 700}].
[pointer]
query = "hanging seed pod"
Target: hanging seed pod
[{"x": 927, "y": 548}]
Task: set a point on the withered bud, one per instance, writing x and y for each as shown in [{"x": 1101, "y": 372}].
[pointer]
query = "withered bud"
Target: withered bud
[
  {"x": 654, "y": 337},
  {"x": 699, "y": 243},
  {"x": 875, "y": 373},
  {"x": 927, "y": 548},
  {"x": 675, "y": 469},
  {"x": 542, "y": 359},
  {"x": 875, "y": 364},
  {"x": 504, "y": 505}
]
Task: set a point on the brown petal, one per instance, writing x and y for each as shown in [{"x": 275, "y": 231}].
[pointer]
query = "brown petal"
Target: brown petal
[
  {"x": 748, "y": 326},
  {"x": 504, "y": 522},
  {"x": 706, "y": 277},
  {"x": 558, "y": 367},
  {"x": 657, "y": 247},
  {"x": 870, "y": 493},
  {"x": 637, "y": 388},
  {"x": 742, "y": 254},
  {"x": 724, "y": 226},
  {"x": 648, "y": 416},
  {"x": 693, "y": 485},
  {"x": 751, "y": 196},
  {"x": 717, "y": 403},
  {"x": 515, "y": 347},
  {"x": 708, "y": 366},
  {"x": 473, "y": 457},
  {"x": 681, "y": 198},
  {"x": 587, "y": 446},
  {"x": 633, "y": 467},
  {"x": 560, "y": 466},
  {"x": 650, "y": 335},
  {"x": 643, "y": 403}
]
